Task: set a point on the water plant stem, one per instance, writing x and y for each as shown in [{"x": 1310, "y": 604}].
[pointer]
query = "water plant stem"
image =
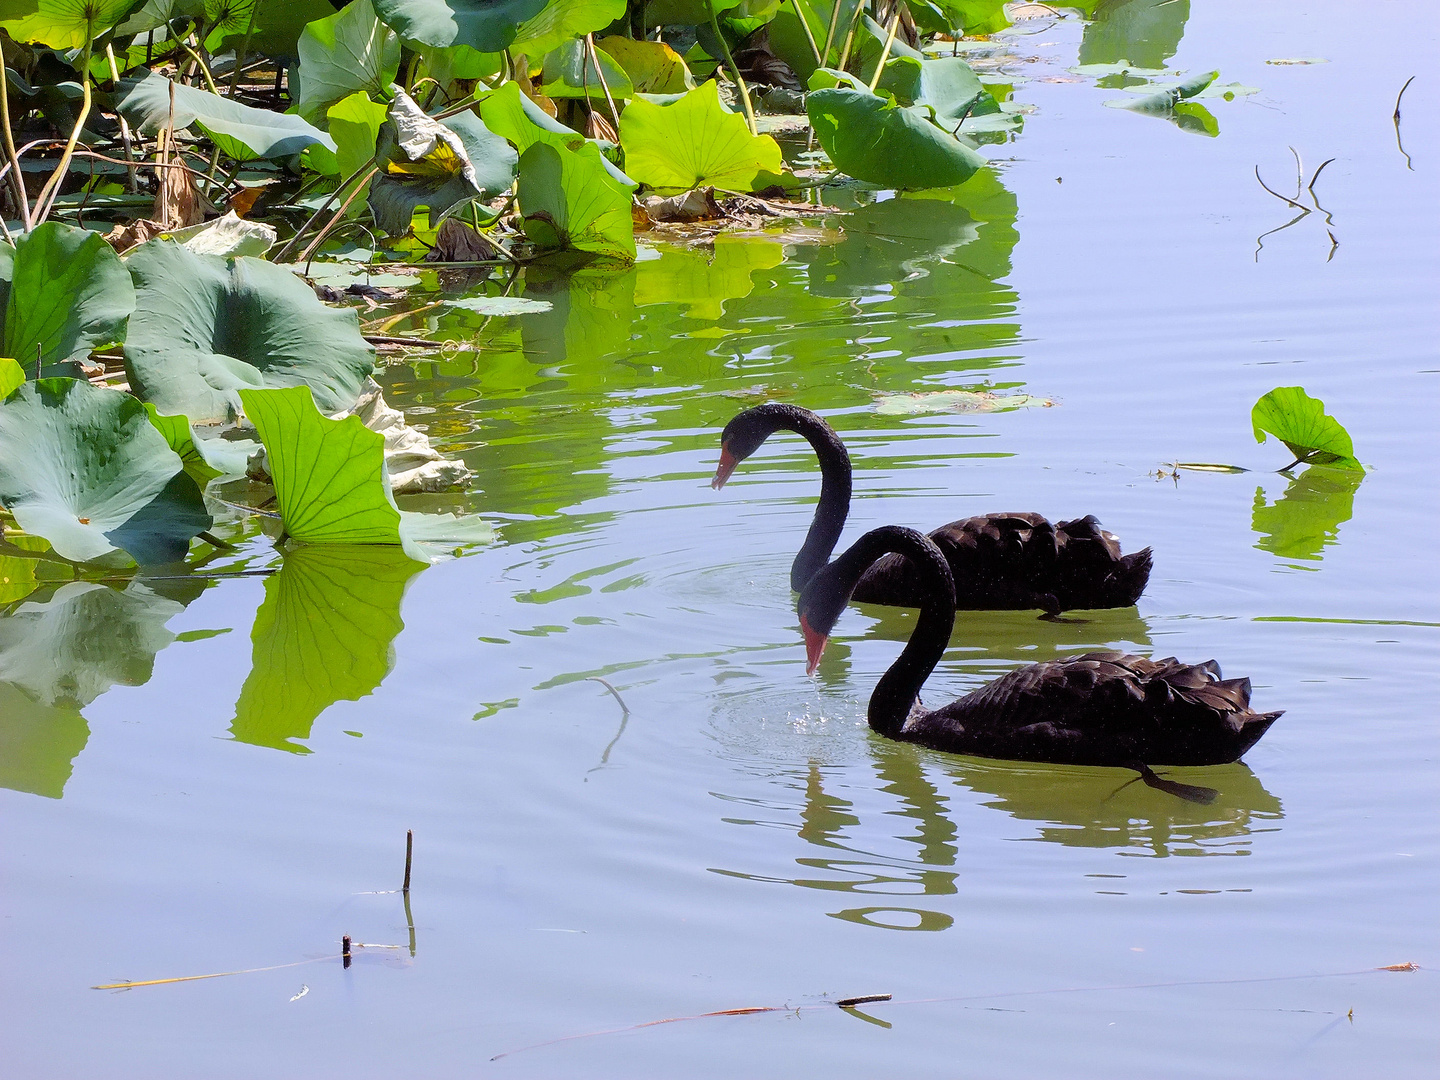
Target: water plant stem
[
  {"x": 125, "y": 136},
  {"x": 885, "y": 52},
  {"x": 595, "y": 57},
  {"x": 733, "y": 68},
  {"x": 338, "y": 216},
  {"x": 855, "y": 18},
  {"x": 46, "y": 199},
  {"x": 830, "y": 33},
  {"x": 17, "y": 181},
  {"x": 245, "y": 46},
  {"x": 809, "y": 35},
  {"x": 365, "y": 170},
  {"x": 409, "y": 853}
]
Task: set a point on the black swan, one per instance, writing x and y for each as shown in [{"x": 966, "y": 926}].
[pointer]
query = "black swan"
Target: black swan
[
  {"x": 998, "y": 561},
  {"x": 1102, "y": 708}
]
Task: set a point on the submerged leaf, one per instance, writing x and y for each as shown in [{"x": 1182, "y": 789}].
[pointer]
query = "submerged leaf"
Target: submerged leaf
[
  {"x": 64, "y": 292},
  {"x": 208, "y": 326},
  {"x": 694, "y": 142},
  {"x": 83, "y": 467},
  {"x": 1303, "y": 425}
]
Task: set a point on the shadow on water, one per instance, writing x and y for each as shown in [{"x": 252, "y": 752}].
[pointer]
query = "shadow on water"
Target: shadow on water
[
  {"x": 1074, "y": 806},
  {"x": 1306, "y": 519}
]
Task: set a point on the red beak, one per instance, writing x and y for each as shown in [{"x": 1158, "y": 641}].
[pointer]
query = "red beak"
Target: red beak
[
  {"x": 724, "y": 469},
  {"x": 814, "y": 645}
]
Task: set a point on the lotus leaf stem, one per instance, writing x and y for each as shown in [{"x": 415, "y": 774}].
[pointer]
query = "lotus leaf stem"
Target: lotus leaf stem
[
  {"x": 124, "y": 124},
  {"x": 280, "y": 256},
  {"x": 594, "y": 55},
  {"x": 17, "y": 181},
  {"x": 46, "y": 199},
  {"x": 885, "y": 52},
  {"x": 734, "y": 69},
  {"x": 245, "y": 46},
  {"x": 204, "y": 67},
  {"x": 834, "y": 25},
  {"x": 809, "y": 35},
  {"x": 335, "y": 220},
  {"x": 855, "y": 17}
]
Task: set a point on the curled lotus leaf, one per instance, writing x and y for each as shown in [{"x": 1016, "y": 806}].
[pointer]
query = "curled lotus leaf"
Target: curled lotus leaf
[
  {"x": 1302, "y": 424},
  {"x": 208, "y": 326}
]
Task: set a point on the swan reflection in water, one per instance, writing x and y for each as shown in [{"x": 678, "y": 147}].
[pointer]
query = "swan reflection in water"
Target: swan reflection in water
[{"x": 1073, "y": 805}]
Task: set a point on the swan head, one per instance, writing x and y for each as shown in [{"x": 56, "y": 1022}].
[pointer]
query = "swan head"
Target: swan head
[{"x": 819, "y": 608}]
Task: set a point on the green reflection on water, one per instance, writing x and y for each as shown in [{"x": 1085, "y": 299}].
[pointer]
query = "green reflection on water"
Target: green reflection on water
[
  {"x": 1307, "y": 517},
  {"x": 38, "y": 743},
  {"x": 1145, "y": 32},
  {"x": 323, "y": 634}
]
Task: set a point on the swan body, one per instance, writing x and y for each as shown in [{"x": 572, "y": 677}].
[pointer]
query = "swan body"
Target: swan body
[
  {"x": 1102, "y": 708},
  {"x": 998, "y": 561}
]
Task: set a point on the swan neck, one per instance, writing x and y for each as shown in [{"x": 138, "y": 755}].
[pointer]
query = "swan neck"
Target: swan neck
[{"x": 834, "y": 504}]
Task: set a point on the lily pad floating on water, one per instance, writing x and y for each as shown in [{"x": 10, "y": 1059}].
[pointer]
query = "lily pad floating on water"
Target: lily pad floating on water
[
  {"x": 1302, "y": 424},
  {"x": 208, "y": 326},
  {"x": 696, "y": 141},
  {"x": 83, "y": 467},
  {"x": 501, "y": 305},
  {"x": 63, "y": 291},
  {"x": 960, "y": 401},
  {"x": 1165, "y": 99}
]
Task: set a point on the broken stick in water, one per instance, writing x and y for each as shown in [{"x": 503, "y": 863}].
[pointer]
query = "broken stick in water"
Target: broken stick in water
[{"x": 409, "y": 851}]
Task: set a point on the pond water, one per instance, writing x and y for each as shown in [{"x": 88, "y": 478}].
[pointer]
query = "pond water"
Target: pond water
[{"x": 204, "y": 781}]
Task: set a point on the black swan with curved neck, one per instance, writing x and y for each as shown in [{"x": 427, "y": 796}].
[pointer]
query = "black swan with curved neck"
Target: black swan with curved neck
[
  {"x": 1102, "y": 708},
  {"x": 998, "y": 561}
]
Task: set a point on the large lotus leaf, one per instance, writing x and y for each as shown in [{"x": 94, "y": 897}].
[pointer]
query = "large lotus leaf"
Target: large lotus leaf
[
  {"x": 63, "y": 24},
  {"x": 64, "y": 292},
  {"x": 275, "y": 29},
  {"x": 350, "y": 51},
  {"x": 1161, "y": 101},
  {"x": 240, "y": 131},
  {"x": 1302, "y": 424},
  {"x": 695, "y": 141},
  {"x": 787, "y": 37},
  {"x": 569, "y": 202},
  {"x": 652, "y": 66},
  {"x": 323, "y": 634},
  {"x": 83, "y": 467},
  {"x": 1307, "y": 518},
  {"x": 569, "y": 71},
  {"x": 203, "y": 459},
  {"x": 560, "y": 21},
  {"x": 690, "y": 12},
  {"x": 426, "y": 163},
  {"x": 83, "y": 640},
  {"x": 207, "y": 326},
  {"x": 894, "y": 146},
  {"x": 153, "y": 14},
  {"x": 355, "y": 125},
  {"x": 483, "y": 25},
  {"x": 38, "y": 743},
  {"x": 947, "y": 84},
  {"x": 447, "y": 65},
  {"x": 511, "y": 114},
  {"x": 969, "y": 17}
]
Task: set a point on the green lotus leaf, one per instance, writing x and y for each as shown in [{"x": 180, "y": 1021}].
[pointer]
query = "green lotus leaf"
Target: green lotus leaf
[
  {"x": 203, "y": 459},
  {"x": 63, "y": 292},
  {"x": 38, "y": 743},
  {"x": 83, "y": 467},
  {"x": 53, "y": 650},
  {"x": 240, "y": 131},
  {"x": 512, "y": 115},
  {"x": 968, "y": 17},
  {"x": 651, "y": 66},
  {"x": 569, "y": 202},
  {"x": 22, "y": 572},
  {"x": 439, "y": 166},
  {"x": 330, "y": 479},
  {"x": 1165, "y": 99},
  {"x": 153, "y": 14},
  {"x": 690, "y": 12},
  {"x": 560, "y": 21},
  {"x": 207, "y": 326},
  {"x": 1195, "y": 118},
  {"x": 894, "y": 146},
  {"x": 350, "y": 51},
  {"x": 1302, "y": 424},
  {"x": 1307, "y": 517},
  {"x": 694, "y": 142},
  {"x": 12, "y": 376},
  {"x": 64, "y": 24},
  {"x": 323, "y": 634},
  {"x": 354, "y": 124},
  {"x": 947, "y": 85},
  {"x": 269, "y": 27},
  {"x": 484, "y": 25},
  {"x": 447, "y": 65},
  {"x": 501, "y": 305},
  {"x": 570, "y": 72}
]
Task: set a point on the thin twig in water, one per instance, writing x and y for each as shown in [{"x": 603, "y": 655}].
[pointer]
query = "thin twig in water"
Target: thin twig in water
[
  {"x": 1282, "y": 198},
  {"x": 409, "y": 853},
  {"x": 1396, "y": 117},
  {"x": 615, "y": 693}
]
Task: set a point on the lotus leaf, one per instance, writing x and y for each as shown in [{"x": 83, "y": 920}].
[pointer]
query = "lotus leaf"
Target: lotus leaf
[
  {"x": 323, "y": 634},
  {"x": 688, "y": 12},
  {"x": 350, "y": 51},
  {"x": 501, "y": 305},
  {"x": 445, "y": 66},
  {"x": 1166, "y": 98},
  {"x": 208, "y": 326},
  {"x": 203, "y": 459},
  {"x": 266, "y": 26},
  {"x": 570, "y": 72},
  {"x": 64, "y": 24},
  {"x": 487, "y": 26},
  {"x": 226, "y": 235},
  {"x": 694, "y": 142},
  {"x": 426, "y": 163},
  {"x": 21, "y": 572},
  {"x": 946, "y": 84},
  {"x": 240, "y": 131},
  {"x": 64, "y": 292},
  {"x": 652, "y": 66},
  {"x": 882, "y": 143},
  {"x": 969, "y": 17},
  {"x": 511, "y": 114},
  {"x": 569, "y": 202},
  {"x": 12, "y": 376},
  {"x": 560, "y": 21},
  {"x": 83, "y": 467},
  {"x": 1302, "y": 424}
]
